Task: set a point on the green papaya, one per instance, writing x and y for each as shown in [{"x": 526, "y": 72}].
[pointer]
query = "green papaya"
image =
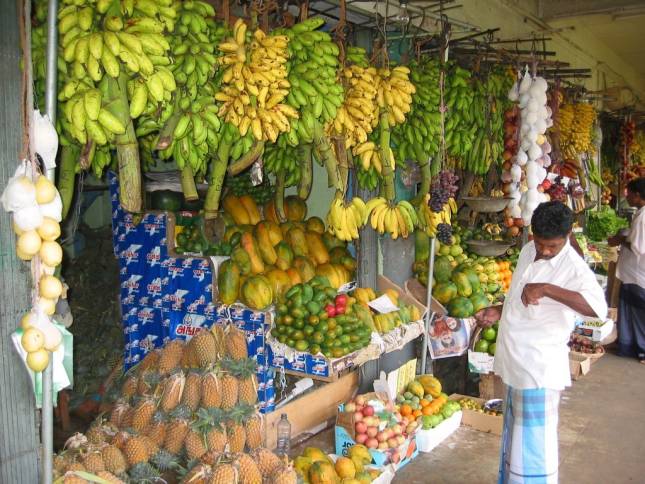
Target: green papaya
[
  {"x": 460, "y": 307},
  {"x": 242, "y": 260},
  {"x": 228, "y": 282},
  {"x": 442, "y": 268},
  {"x": 462, "y": 282},
  {"x": 473, "y": 278},
  {"x": 285, "y": 256},
  {"x": 444, "y": 292},
  {"x": 421, "y": 246}
]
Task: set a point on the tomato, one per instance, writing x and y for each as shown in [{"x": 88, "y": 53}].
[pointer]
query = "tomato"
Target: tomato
[
  {"x": 341, "y": 299},
  {"x": 330, "y": 309}
]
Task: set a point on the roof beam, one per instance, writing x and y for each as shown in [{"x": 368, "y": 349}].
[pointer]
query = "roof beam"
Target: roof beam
[{"x": 557, "y": 9}]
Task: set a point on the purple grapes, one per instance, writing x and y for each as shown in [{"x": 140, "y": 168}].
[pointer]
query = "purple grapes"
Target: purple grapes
[
  {"x": 444, "y": 233},
  {"x": 443, "y": 187}
]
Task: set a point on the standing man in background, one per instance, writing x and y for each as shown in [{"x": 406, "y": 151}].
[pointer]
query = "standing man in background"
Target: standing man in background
[
  {"x": 631, "y": 272},
  {"x": 551, "y": 285}
]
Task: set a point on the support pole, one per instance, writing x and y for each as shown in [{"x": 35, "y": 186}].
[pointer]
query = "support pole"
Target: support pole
[
  {"x": 429, "y": 313},
  {"x": 47, "y": 413}
]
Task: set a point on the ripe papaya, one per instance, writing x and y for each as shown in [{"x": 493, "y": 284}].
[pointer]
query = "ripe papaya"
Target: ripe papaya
[
  {"x": 270, "y": 212},
  {"x": 332, "y": 242},
  {"x": 285, "y": 256},
  {"x": 416, "y": 388},
  {"x": 265, "y": 247},
  {"x": 315, "y": 224},
  {"x": 329, "y": 271},
  {"x": 431, "y": 385},
  {"x": 235, "y": 209},
  {"x": 251, "y": 209},
  {"x": 242, "y": 260},
  {"x": 280, "y": 282},
  {"x": 250, "y": 245},
  {"x": 228, "y": 282},
  {"x": 337, "y": 253},
  {"x": 272, "y": 229},
  {"x": 295, "y": 276},
  {"x": 460, "y": 307},
  {"x": 296, "y": 239},
  {"x": 444, "y": 292},
  {"x": 295, "y": 208},
  {"x": 316, "y": 248},
  {"x": 285, "y": 227},
  {"x": 305, "y": 268},
  {"x": 257, "y": 292},
  {"x": 462, "y": 282}
]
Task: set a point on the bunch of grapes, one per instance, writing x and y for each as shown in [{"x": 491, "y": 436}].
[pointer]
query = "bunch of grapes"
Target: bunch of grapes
[
  {"x": 557, "y": 191},
  {"x": 444, "y": 234},
  {"x": 443, "y": 187},
  {"x": 242, "y": 185}
]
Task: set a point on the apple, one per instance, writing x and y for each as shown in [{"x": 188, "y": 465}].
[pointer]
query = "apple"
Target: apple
[
  {"x": 350, "y": 407},
  {"x": 400, "y": 439},
  {"x": 358, "y": 416},
  {"x": 372, "y": 431},
  {"x": 368, "y": 411},
  {"x": 396, "y": 429},
  {"x": 369, "y": 421},
  {"x": 360, "y": 427},
  {"x": 371, "y": 443},
  {"x": 383, "y": 446},
  {"x": 395, "y": 457},
  {"x": 393, "y": 442},
  {"x": 361, "y": 438},
  {"x": 360, "y": 400},
  {"x": 381, "y": 437}
]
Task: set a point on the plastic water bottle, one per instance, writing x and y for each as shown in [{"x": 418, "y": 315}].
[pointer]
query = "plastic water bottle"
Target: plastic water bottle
[{"x": 284, "y": 435}]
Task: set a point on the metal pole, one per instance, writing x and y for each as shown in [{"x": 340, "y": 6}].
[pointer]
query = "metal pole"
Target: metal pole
[
  {"x": 429, "y": 313},
  {"x": 47, "y": 413}
]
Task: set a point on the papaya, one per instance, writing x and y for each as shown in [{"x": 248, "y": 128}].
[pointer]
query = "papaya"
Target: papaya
[
  {"x": 285, "y": 255},
  {"x": 297, "y": 240},
  {"x": 233, "y": 206},
  {"x": 285, "y": 227},
  {"x": 336, "y": 274},
  {"x": 295, "y": 276},
  {"x": 305, "y": 268},
  {"x": 295, "y": 208},
  {"x": 473, "y": 278},
  {"x": 251, "y": 209},
  {"x": 250, "y": 245},
  {"x": 349, "y": 263},
  {"x": 444, "y": 292},
  {"x": 265, "y": 247},
  {"x": 421, "y": 246},
  {"x": 272, "y": 229},
  {"x": 316, "y": 248},
  {"x": 270, "y": 212},
  {"x": 431, "y": 385},
  {"x": 460, "y": 307},
  {"x": 337, "y": 253},
  {"x": 242, "y": 260},
  {"x": 230, "y": 232},
  {"x": 442, "y": 269},
  {"x": 257, "y": 292},
  {"x": 479, "y": 301},
  {"x": 332, "y": 242},
  {"x": 228, "y": 282},
  {"x": 462, "y": 282},
  {"x": 315, "y": 224},
  {"x": 415, "y": 388},
  {"x": 280, "y": 282},
  {"x": 393, "y": 295}
]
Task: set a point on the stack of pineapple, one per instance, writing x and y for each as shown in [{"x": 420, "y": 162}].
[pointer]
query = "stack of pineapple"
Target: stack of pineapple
[{"x": 186, "y": 413}]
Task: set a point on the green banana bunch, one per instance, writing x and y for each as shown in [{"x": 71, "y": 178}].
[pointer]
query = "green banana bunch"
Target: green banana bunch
[
  {"x": 356, "y": 55},
  {"x": 282, "y": 157},
  {"x": 315, "y": 91},
  {"x": 460, "y": 128},
  {"x": 241, "y": 185}
]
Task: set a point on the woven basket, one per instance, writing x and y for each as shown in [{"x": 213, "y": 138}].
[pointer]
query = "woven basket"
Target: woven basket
[{"x": 592, "y": 356}]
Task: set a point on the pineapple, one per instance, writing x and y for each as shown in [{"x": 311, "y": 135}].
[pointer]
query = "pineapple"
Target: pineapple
[
  {"x": 253, "y": 428},
  {"x": 113, "y": 459},
  {"x": 211, "y": 457},
  {"x": 198, "y": 474},
  {"x": 93, "y": 462},
  {"x": 177, "y": 429},
  {"x": 173, "y": 388},
  {"x": 219, "y": 334},
  {"x": 204, "y": 347},
  {"x": 108, "y": 476},
  {"x": 284, "y": 474},
  {"x": 195, "y": 445},
  {"x": 267, "y": 461},
  {"x": 120, "y": 438},
  {"x": 230, "y": 385},
  {"x": 170, "y": 356},
  {"x": 143, "y": 413},
  {"x": 245, "y": 370},
  {"x": 188, "y": 359},
  {"x": 210, "y": 423},
  {"x": 156, "y": 430},
  {"x": 224, "y": 474},
  {"x": 119, "y": 410},
  {"x": 211, "y": 390},
  {"x": 143, "y": 472},
  {"x": 235, "y": 430},
  {"x": 147, "y": 383},
  {"x": 129, "y": 388},
  {"x": 137, "y": 450},
  {"x": 71, "y": 478},
  {"x": 164, "y": 461},
  {"x": 126, "y": 420},
  {"x": 151, "y": 360},
  {"x": 95, "y": 435},
  {"x": 249, "y": 472},
  {"x": 192, "y": 391},
  {"x": 236, "y": 343}
]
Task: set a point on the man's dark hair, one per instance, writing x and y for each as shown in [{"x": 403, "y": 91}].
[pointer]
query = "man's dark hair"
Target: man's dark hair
[
  {"x": 552, "y": 220},
  {"x": 637, "y": 186}
]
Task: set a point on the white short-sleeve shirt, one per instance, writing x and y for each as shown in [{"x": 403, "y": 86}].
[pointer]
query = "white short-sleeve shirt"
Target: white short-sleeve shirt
[
  {"x": 532, "y": 350},
  {"x": 631, "y": 262}
]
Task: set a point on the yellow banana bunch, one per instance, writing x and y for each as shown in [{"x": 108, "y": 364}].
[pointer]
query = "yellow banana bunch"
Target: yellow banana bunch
[
  {"x": 254, "y": 83},
  {"x": 394, "y": 93},
  {"x": 344, "y": 220},
  {"x": 397, "y": 220},
  {"x": 429, "y": 220},
  {"x": 358, "y": 115},
  {"x": 575, "y": 123}
]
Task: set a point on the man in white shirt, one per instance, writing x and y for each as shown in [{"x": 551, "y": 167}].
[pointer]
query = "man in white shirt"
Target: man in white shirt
[
  {"x": 551, "y": 285},
  {"x": 631, "y": 272}
]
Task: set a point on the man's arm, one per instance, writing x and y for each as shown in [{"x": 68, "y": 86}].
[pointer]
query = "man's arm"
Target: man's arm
[
  {"x": 574, "y": 243},
  {"x": 532, "y": 294},
  {"x": 488, "y": 316}
]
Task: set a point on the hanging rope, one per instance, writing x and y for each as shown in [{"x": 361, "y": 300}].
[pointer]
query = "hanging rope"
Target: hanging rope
[{"x": 339, "y": 33}]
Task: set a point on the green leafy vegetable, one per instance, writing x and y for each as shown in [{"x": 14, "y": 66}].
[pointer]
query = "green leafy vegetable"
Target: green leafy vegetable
[{"x": 604, "y": 223}]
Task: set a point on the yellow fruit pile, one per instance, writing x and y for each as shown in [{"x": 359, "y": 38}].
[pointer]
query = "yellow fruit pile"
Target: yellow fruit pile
[
  {"x": 575, "y": 122},
  {"x": 255, "y": 83}
]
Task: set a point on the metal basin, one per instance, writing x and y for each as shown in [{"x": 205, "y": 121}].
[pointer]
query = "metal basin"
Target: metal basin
[
  {"x": 487, "y": 204},
  {"x": 488, "y": 248}
]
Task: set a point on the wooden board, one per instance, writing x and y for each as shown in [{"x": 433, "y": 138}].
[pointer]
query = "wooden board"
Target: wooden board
[{"x": 312, "y": 409}]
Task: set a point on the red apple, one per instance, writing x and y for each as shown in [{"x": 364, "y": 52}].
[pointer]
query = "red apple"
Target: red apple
[
  {"x": 360, "y": 400},
  {"x": 381, "y": 437},
  {"x": 400, "y": 439},
  {"x": 372, "y": 431},
  {"x": 383, "y": 446},
  {"x": 369, "y": 421},
  {"x": 368, "y": 410},
  {"x": 371, "y": 443},
  {"x": 393, "y": 442},
  {"x": 358, "y": 416},
  {"x": 361, "y": 438},
  {"x": 396, "y": 429},
  {"x": 350, "y": 407},
  {"x": 360, "y": 427}
]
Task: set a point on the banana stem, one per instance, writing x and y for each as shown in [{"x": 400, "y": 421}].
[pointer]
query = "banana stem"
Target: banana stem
[
  {"x": 166, "y": 135},
  {"x": 279, "y": 195},
  {"x": 127, "y": 147},
  {"x": 424, "y": 168},
  {"x": 211, "y": 204},
  {"x": 67, "y": 175},
  {"x": 326, "y": 154},
  {"x": 306, "y": 172},
  {"x": 388, "y": 171},
  {"x": 188, "y": 184},
  {"x": 247, "y": 159}
]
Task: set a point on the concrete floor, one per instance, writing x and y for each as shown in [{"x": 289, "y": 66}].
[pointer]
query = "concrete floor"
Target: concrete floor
[{"x": 602, "y": 431}]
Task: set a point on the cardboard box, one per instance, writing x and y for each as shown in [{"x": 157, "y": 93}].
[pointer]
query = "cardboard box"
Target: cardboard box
[
  {"x": 480, "y": 362},
  {"x": 385, "y": 477},
  {"x": 427, "y": 440},
  {"x": 579, "y": 365},
  {"x": 596, "y": 333},
  {"x": 383, "y": 283},
  {"x": 419, "y": 293},
  {"x": 492, "y": 424}
]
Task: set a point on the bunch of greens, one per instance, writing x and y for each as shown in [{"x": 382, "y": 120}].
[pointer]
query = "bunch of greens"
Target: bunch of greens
[{"x": 604, "y": 223}]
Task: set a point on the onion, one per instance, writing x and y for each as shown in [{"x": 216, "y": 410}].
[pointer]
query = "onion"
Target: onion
[
  {"x": 53, "y": 338},
  {"x": 28, "y": 218},
  {"x": 531, "y": 118},
  {"x": 549, "y": 123},
  {"x": 540, "y": 126},
  {"x": 534, "y": 152},
  {"x": 532, "y": 135},
  {"x": 532, "y": 105},
  {"x": 524, "y": 99},
  {"x": 541, "y": 174},
  {"x": 513, "y": 93},
  {"x": 516, "y": 212},
  {"x": 507, "y": 155},
  {"x": 45, "y": 190},
  {"x": 525, "y": 84},
  {"x": 533, "y": 197},
  {"x": 526, "y": 143},
  {"x": 546, "y": 147},
  {"x": 541, "y": 83},
  {"x": 507, "y": 165},
  {"x": 19, "y": 193},
  {"x": 506, "y": 187},
  {"x": 53, "y": 209},
  {"x": 524, "y": 129},
  {"x": 29, "y": 243},
  {"x": 516, "y": 173},
  {"x": 522, "y": 158}
]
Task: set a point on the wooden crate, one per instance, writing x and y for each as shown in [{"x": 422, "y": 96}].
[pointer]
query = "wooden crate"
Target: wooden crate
[
  {"x": 491, "y": 386},
  {"x": 313, "y": 411}
]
